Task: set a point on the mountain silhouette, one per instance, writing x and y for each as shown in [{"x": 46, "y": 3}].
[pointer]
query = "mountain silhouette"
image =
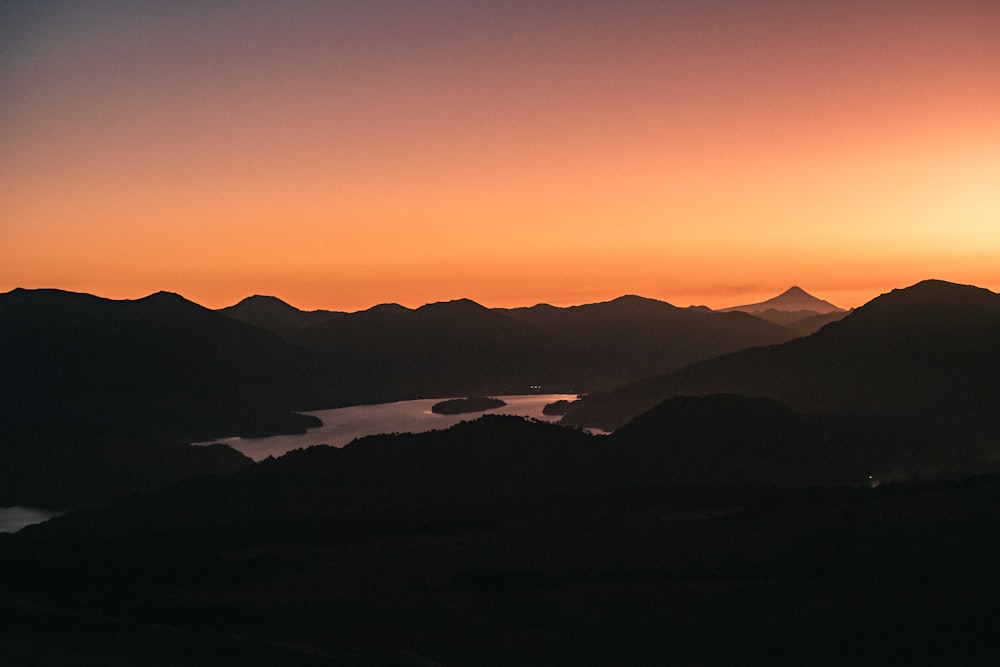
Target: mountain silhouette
[
  {"x": 794, "y": 309},
  {"x": 161, "y": 369},
  {"x": 581, "y": 347},
  {"x": 755, "y": 515},
  {"x": 440, "y": 349},
  {"x": 793, "y": 299},
  {"x": 631, "y": 335},
  {"x": 161, "y": 362},
  {"x": 274, "y": 315},
  {"x": 927, "y": 353},
  {"x": 165, "y": 370},
  {"x": 94, "y": 390}
]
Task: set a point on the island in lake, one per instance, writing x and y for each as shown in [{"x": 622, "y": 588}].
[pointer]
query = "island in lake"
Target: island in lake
[{"x": 457, "y": 406}]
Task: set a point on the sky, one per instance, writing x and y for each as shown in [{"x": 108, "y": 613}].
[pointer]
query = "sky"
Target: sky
[{"x": 342, "y": 154}]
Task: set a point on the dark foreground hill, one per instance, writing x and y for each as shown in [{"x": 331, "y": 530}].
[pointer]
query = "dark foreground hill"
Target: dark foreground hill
[
  {"x": 502, "y": 541},
  {"x": 929, "y": 354},
  {"x": 719, "y": 440}
]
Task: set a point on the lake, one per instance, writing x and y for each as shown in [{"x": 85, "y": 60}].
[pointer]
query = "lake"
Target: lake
[
  {"x": 13, "y": 519},
  {"x": 342, "y": 425}
]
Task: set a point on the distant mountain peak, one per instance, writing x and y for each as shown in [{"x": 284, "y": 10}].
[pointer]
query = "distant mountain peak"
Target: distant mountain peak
[
  {"x": 930, "y": 304},
  {"x": 165, "y": 296},
  {"x": 387, "y": 308},
  {"x": 793, "y": 299},
  {"x": 936, "y": 287},
  {"x": 635, "y": 298},
  {"x": 264, "y": 298},
  {"x": 275, "y": 315},
  {"x": 931, "y": 293},
  {"x": 261, "y": 303},
  {"x": 455, "y": 305},
  {"x": 164, "y": 299}
]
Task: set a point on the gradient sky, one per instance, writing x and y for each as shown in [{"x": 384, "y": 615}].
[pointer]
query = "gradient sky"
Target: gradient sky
[{"x": 341, "y": 154}]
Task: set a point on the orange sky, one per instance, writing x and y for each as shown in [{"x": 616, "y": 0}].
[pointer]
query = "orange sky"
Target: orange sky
[{"x": 344, "y": 154}]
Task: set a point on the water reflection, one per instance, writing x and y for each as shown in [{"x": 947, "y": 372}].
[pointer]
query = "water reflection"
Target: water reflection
[
  {"x": 13, "y": 519},
  {"x": 342, "y": 425}
]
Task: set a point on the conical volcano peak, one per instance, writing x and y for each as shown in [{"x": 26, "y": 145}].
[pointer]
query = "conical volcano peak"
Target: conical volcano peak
[{"x": 793, "y": 299}]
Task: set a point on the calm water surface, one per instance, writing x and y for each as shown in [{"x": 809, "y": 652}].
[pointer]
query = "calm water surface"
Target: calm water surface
[
  {"x": 342, "y": 425},
  {"x": 13, "y": 519}
]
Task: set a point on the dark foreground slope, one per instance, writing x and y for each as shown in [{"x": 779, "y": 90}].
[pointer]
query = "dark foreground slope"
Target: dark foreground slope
[
  {"x": 929, "y": 353},
  {"x": 505, "y": 542},
  {"x": 719, "y": 440}
]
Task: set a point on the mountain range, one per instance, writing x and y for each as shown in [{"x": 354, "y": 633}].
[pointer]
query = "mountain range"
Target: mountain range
[
  {"x": 87, "y": 378},
  {"x": 172, "y": 366},
  {"x": 827, "y": 499},
  {"x": 94, "y": 391},
  {"x": 461, "y": 346},
  {"x": 927, "y": 353}
]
